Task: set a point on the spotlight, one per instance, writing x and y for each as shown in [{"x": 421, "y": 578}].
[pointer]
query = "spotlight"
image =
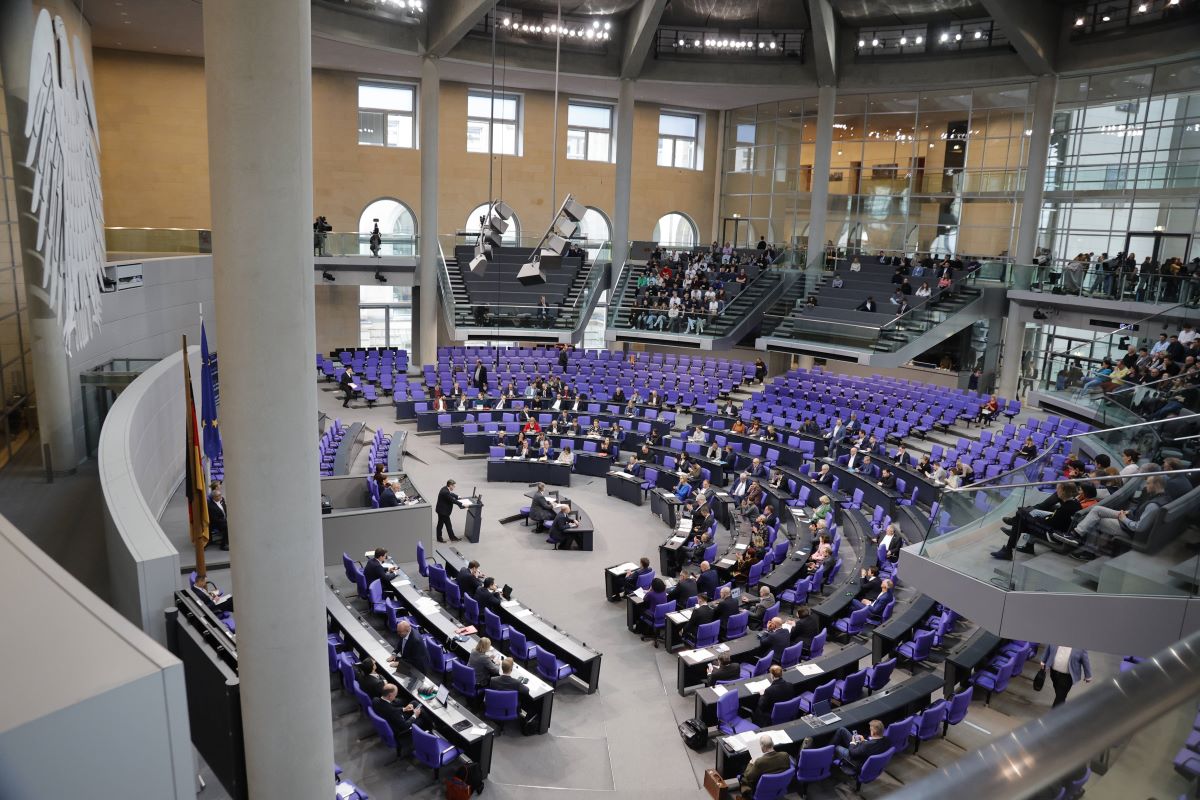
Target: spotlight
[
  {"x": 1141, "y": 8},
  {"x": 507, "y": 22},
  {"x": 903, "y": 40},
  {"x": 772, "y": 45},
  {"x": 919, "y": 39},
  {"x": 1079, "y": 22},
  {"x": 531, "y": 274},
  {"x": 874, "y": 43},
  {"x": 379, "y": 277},
  {"x": 945, "y": 37},
  {"x": 1106, "y": 18},
  {"x": 479, "y": 264},
  {"x": 326, "y": 275},
  {"x": 1172, "y": 2},
  {"x": 958, "y": 37},
  {"x": 978, "y": 34},
  {"x": 608, "y": 26},
  {"x": 861, "y": 43}
]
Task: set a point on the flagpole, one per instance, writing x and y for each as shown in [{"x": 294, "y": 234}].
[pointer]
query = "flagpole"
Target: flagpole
[{"x": 197, "y": 542}]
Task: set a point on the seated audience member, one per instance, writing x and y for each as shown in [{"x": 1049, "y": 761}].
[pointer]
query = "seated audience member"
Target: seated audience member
[
  {"x": 822, "y": 551},
  {"x": 632, "y": 575},
  {"x": 770, "y": 761},
  {"x": 853, "y": 750},
  {"x": 869, "y": 584},
  {"x": 708, "y": 580},
  {"x": 469, "y": 578},
  {"x": 777, "y": 691},
  {"x": 726, "y": 607},
  {"x": 892, "y": 540},
  {"x": 484, "y": 660},
  {"x": 505, "y": 682},
  {"x": 388, "y": 497},
  {"x": 683, "y": 590},
  {"x": 367, "y": 672},
  {"x": 374, "y": 570},
  {"x": 764, "y": 601},
  {"x": 774, "y": 638},
  {"x": 565, "y": 456},
  {"x": 702, "y": 613},
  {"x": 1175, "y": 485},
  {"x": 806, "y": 626},
  {"x": 212, "y": 596},
  {"x": 1052, "y": 514},
  {"x": 562, "y": 530},
  {"x": 881, "y": 601},
  {"x": 1129, "y": 461},
  {"x": 488, "y": 595},
  {"x": 410, "y": 649},
  {"x": 1109, "y": 524},
  {"x": 399, "y": 716},
  {"x": 887, "y": 481},
  {"x": 724, "y": 670}
]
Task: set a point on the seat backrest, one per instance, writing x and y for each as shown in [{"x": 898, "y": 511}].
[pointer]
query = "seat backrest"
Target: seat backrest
[
  {"x": 959, "y": 706},
  {"x": 815, "y": 763},
  {"x": 898, "y": 732},
  {"x": 500, "y": 703},
  {"x": 785, "y": 711},
  {"x": 463, "y": 677},
  {"x": 818, "y": 644},
  {"x": 881, "y": 673},
  {"x": 773, "y": 785},
  {"x": 874, "y": 766},
  {"x": 707, "y": 633}
]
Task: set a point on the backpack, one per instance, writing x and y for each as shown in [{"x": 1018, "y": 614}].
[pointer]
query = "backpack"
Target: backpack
[{"x": 694, "y": 733}]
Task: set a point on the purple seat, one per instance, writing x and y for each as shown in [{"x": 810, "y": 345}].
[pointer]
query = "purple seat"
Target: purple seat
[
  {"x": 772, "y": 785},
  {"x": 520, "y": 648},
  {"x": 854, "y": 623},
  {"x": 959, "y": 705},
  {"x": 817, "y": 646},
  {"x": 817, "y": 701},
  {"x": 706, "y": 635},
  {"x": 873, "y": 768},
  {"x": 815, "y": 764},
  {"x": 759, "y": 667},
  {"x": 850, "y": 688},
  {"x": 879, "y": 675},
  {"x": 928, "y": 723},
  {"x": 917, "y": 649},
  {"x": 898, "y": 733},
  {"x": 552, "y": 669},
  {"x": 432, "y": 750},
  {"x": 500, "y": 706},
  {"x": 735, "y": 626},
  {"x": 729, "y": 722}
]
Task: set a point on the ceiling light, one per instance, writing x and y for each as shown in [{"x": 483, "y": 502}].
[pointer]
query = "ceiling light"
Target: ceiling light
[
  {"x": 1172, "y": 2},
  {"x": 978, "y": 34},
  {"x": 507, "y": 22},
  {"x": 958, "y": 37},
  {"x": 608, "y": 26},
  {"x": 920, "y": 39},
  {"x": 1079, "y": 22},
  {"x": 1141, "y": 8},
  {"x": 772, "y": 46},
  {"x": 874, "y": 43},
  {"x": 1106, "y": 18},
  {"x": 903, "y": 40},
  {"x": 595, "y": 23},
  {"x": 945, "y": 37},
  {"x": 861, "y": 43}
]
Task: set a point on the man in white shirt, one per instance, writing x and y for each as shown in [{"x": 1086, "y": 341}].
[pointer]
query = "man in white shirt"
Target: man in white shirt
[
  {"x": 1160, "y": 346},
  {"x": 1187, "y": 335},
  {"x": 1066, "y": 665}
]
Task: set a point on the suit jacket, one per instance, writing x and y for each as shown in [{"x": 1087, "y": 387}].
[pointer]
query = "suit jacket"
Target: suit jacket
[
  {"x": 484, "y": 668},
  {"x": 412, "y": 651},
  {"x": 371, "y": 683},
  {"x": 1079, "y": 665},
  {"x": 881, "y": 602},
  {"x": 859, "y": 753},
  {"x": 726, "y": 609},
  {"x": 707, "y": 583},
  {"x": 218, "y": 520},
  {"x": 387, "y": 498},
  {"x": 805, "y": 629},
  {"x": 888, "y": 482},
  {"x": 445, "y": 501},
  {"x": 757, "y": 472},
  {"x": 541, "y": 509},
  {"x": 479, "y": 376},
  {"x": 467, "y": 582},
  {"x": 774, "y": 761},
  {"x": 869, "y": 587},
  {"x": 775, "y": 642},
  {"x": 560, "y": 528},
  {"x": 701, "y": 615},
  {"x": 507, "y": 683},
  {"x": 893, "y": 547},
  {"x": 393, "y": 714},
  {"x": 778, "y": 691},
  {"x": 729, "y": 672},
  {"x": 683, "y": 591},
  {"x": 374, "y": 571},
  {"x": 869, "y": 470},
  {"x": 826, "y": 478},
  {"x": 487, "y": 599}
]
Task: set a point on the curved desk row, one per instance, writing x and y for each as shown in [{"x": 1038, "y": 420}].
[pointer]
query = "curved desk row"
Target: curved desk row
[
  {"x": 526, "y": 470},
  {"x": 453, "y": 722},
  {"x": 584, "y": 532}
]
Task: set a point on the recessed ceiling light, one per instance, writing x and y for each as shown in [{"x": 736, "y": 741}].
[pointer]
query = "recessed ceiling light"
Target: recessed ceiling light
[
  {"x": 958, "y": 37},
  {"x": 1079, "y": 22},
  {"x": 1172, "y": 2},
  {"x": 903, "y": 40},
  {"x": 945, "y": 37},
  {"x": 920, "y": 39},
  {"x": 862, "y": 43},
  {"x": 874, "y": 43},
  {"x": 1106, "y": 18},
  {"x": 978, "y": 34},
  {"x": 1141, "y": 8}
]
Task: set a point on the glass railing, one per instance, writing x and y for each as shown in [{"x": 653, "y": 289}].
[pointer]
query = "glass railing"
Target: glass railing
[
  {"x": 1118, "y": 739},
  {"x": 1077, "y": 280},
  {"x": 149, "y": 241},
  {"x": 969, "y": 531},
  {"x": 657, "y": 318},
  {"x": 359, "y": 244}
]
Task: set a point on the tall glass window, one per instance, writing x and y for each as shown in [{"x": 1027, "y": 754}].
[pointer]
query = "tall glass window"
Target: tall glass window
[
  {"x": 511, "y": 236},
  {"x": 385, "y": 316},
  {"x": 678, "y": 143},
  {"x": 503, "y": 124},
  {"x": 397, "y": 227},
  {"x": 386, "y": 114},
  {"x": 590, "y": 132},
  {"x": 675, "y": 230}
]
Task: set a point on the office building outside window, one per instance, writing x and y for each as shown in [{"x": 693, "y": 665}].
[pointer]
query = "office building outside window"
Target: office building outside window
[
  {"x": 504, "y": 122},
  {"x": 386, "y": 114},
  {"x": 678, "y": 140},
  {"x": 590, "y": 132}
]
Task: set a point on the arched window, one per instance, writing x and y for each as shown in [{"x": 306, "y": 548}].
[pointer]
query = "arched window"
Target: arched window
[
  {"x": 397, "y": 227},
  {"x": 675, "y": 230},
  {"x": 511, "y": 237},
  {"x": 596, "y": 229}
]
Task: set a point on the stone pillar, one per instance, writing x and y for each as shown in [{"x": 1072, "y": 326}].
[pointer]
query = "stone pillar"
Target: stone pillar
[
  {"x": 258, "y": 71},
  {"x": 819, "y": 198},
  {"x": 1035, "y": 174},
  {"x": 1014, "y": 343},
  {"x": 624, "y": 180},
  {"x": 426, "y": 308}
]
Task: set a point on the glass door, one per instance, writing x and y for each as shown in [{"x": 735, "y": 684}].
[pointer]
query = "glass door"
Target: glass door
[{"x": 736, "y": 231}]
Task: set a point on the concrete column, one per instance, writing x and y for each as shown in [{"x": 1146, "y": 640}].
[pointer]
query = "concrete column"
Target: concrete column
[
  {"x": 624, "y": 182},
  {"x": 258, "y": 70},
  {"x": 51, "y": 378},
  {"x": 1014, "y": 342},
  {"x": 819, "y": 198},
  {"x": 719, "y": 181},
  {"x": 425, "y": 318},
  {"x": 1035, "y": 173}
]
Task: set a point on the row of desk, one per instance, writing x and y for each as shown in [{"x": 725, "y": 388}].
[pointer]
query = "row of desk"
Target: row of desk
[
  {"x": 453, "y": 722},
  {"x": 528, "y": 470},
  {"x": 584, "y": 531},
  {"x": 584, "y": 660},
  {"x": 428, "y": 422}
]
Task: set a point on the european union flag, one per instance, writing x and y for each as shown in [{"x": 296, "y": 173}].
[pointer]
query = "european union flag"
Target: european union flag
[{"x": 208, "y": 401}]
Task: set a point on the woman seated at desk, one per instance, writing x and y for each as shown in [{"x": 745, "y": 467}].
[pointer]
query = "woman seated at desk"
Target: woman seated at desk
[
  {"x": 565, "y": 456},
  {"x": 738, "y": 426},
  {"x": 594, "y": 429},
  {"x": 740, "y": 570},
  {"x": 655, "y": 596},
  {"x": 753, "y": 496},
  {"x": 821, "y": 552},
  {"x": 606, "y": 448},
  {"x": 776, "y": 479},
  {"x": 694, "y": 476},
  {"x": 484, "y": 660}
]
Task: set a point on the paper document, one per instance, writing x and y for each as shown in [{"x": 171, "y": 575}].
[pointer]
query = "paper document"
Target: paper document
[
  {"x": 405, "y": 582},
  {"x": 809, "y": 669},
  {"x": 695, "y": 656},
  {"x": 739, "y": 547},
  {"x": 758, "y": 687},
  {"x": 344, "y": 790},
  {"x": 685, "y": 614},
  {"x": 720, "y": 690},
  {"x": 638, "y": 595},
  {"x": 721, "y": 648},
  {"x": 780, "y": 737},
  {"x": 622, "y": 568},
  {"x": 676, "y": 540},
  {"x": 509, "y": 604},
  {"x": 523, "y": 612}
]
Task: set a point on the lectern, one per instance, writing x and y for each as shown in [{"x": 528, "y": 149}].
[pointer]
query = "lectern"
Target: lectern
[{"x": 474, "y": 507}]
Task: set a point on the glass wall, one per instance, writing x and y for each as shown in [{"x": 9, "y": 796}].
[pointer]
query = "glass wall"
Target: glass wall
[
  {"x": 16, "y": 367},
  {"x": 937, "y": 171},
  {"x": 385, "y": 316},
  {"x": 1123, "y": 172}
]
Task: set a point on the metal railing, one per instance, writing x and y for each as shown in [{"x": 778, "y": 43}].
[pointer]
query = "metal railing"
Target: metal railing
[{"x": 1046, "y": 750}]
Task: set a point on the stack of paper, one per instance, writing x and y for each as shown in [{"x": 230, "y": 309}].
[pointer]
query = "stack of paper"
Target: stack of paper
[
  {"x": 521, "y": 613},
  {"x": 676, "y": 540},
  {"x": 344, "y": 790},
  {"x": 758, "y": 687},
  {"x": 809, "y": 669},
  {"x": 720, "y": 690},
  {"x": 695, "y": 656},
  {"x": 638, "y": 595},
  {"x": 623, "y": 568},
  {"x": 509, "y": 604}
]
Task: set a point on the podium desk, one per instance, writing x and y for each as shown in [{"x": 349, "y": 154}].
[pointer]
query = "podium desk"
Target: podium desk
[
  {"x": 523, "y": 470},
  {"x": 474, "y": 507},
  {"x": 885, "y": 637},
  {"x": 665, "y": 505},
  {"x": 584, "y": 660},
  {"x": 624, "y": 486}
]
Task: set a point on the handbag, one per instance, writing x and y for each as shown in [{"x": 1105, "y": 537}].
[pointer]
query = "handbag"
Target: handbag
[
  {"x": 457, "y": 789},
  {"x": 1039, "y": 680},
  {"x": 716, "y": 786}
]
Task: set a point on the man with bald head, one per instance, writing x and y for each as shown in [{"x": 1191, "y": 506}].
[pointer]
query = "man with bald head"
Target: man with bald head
[
  {"x": 410, "y": 649},
  {"x": 708, "y": 580}
]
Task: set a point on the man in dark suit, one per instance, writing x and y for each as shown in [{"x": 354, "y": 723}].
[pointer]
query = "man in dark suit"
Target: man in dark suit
[
  {"x": 887, "y": 481},
  {"x": 778, "y": 691},
  {"x": 564, "y": 356},
  {"x": 410, "y": 649},
  {"x": 826, "y": 475},
  {"x": 632, "y": 575},
  {"x": 375, "y": 570},
  {"x": 775, "y": 638},
  {"x": 468, "y": 578},
  {"x": 369, "y": 678},
  {"x": 387, "y": 495},
  {"x": 399, "y": 717},
  {"x": 807, "y": 626},
  {"x": 756, "y": 468},
  {"x": 708, "y": 581},
  {"x": 505, "y": 682},
  {"x": 723, "y": 670},
  {"x": 727, "y": 606},
  {"x": 836, "y": 434},
  {"x": 683, "y": 590},
  {"x": 488, "y": 596},
  {"x": 869, "y": 584},
  {"x": 562, "y": 529},
  {"x": 346, "y": 384},
  {"x": 868, "y": 469},
  {"x": 218, "y": 519},
  {"x": 881, "y": 601},
  {"x": 446, "y": 501},
  {"x": 854, "y": 750},
  {"x": 479, "y": 377},
  {"x": 702, "y": 614},
  {"x": 866, "y": 305}
]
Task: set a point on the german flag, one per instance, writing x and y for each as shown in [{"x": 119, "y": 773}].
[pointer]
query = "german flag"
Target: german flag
[{"x": 194, "y": 471}]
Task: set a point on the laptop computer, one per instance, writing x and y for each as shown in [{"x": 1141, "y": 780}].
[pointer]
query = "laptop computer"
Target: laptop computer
[{"x": 443, "y": 693}]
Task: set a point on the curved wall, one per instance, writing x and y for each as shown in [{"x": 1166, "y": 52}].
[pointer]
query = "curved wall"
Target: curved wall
[{"x": 140, "y": 464}]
